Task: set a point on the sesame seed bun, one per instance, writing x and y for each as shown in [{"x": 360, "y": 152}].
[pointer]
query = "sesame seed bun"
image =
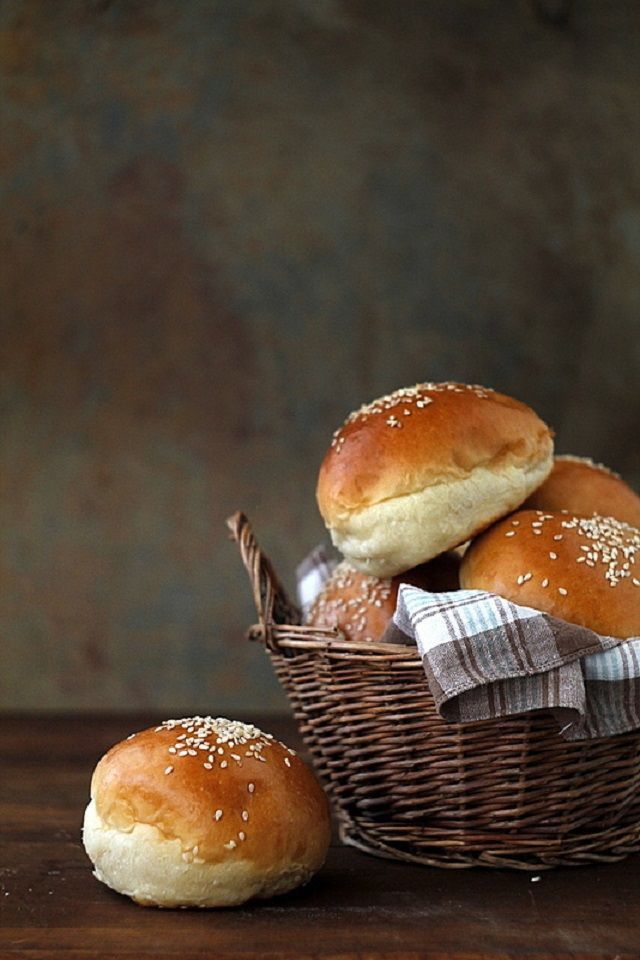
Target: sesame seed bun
[
  {"x": 585, "y": 570},
  {"x": 361, "y": 606},
  {"x": 420, "y": 471},
  {"x": 583, "y": 487},
  {"x": 204, "y": 813}
]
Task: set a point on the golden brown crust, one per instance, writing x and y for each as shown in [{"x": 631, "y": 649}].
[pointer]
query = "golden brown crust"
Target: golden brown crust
[
  {"x": 583, "y": 570},
  {"x": 583, "y": 488},
  {"x": 360, "y": 606},
  {"x": 422, "y": 436},
  {"x": 271, "y": 807}
]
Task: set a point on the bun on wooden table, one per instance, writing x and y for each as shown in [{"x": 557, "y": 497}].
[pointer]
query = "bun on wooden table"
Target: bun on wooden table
[{"x": 204, "y": 812}]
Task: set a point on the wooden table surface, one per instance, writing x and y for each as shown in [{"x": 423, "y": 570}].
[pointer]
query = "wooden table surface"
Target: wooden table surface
[{"x": 358, "y": 906}]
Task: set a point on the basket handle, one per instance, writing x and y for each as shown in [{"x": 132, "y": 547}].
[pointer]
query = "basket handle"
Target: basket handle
[{"x": 272, "y": 603}]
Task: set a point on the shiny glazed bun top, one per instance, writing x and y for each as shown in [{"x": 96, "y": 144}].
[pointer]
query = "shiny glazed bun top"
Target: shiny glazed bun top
[
  {"x": 583, "y": 487},
  {"x": 360, "y": 606},
  {"x": 420, "y": 471},
  {"x": 585, "y": 570},
  {"x": 204, "y": 812}
]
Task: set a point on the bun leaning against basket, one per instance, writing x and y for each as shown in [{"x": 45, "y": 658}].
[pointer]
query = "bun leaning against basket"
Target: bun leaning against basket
[{"x": 407, "y": 477}]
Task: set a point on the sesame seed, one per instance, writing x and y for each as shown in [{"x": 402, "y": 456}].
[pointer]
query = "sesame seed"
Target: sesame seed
[
  {"x": 224, "y": 764},
  {"x": 420, "y": 396},
  {"x": 635, "y": 582},
  {"x": 168, "y": 769},
  {"x": 245, "y": 815},
  {"x": 510, "y": 533},
  {"x": 251, "y": 787},
  {"x": 552, "y": 555},
  {"x": 287, "y": 761},
  {"x": 562, "y": 591},
  {"x": 612, "y": 545},
  {"x": 545, "y": 582},
  {"x": 231, "y": 845},
  {"x": 208, "y": 766},
  {"x": 558, "y": 536}
]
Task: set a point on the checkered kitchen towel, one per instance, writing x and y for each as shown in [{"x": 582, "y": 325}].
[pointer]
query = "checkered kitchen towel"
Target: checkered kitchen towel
[{"x": 485, "y": 657}]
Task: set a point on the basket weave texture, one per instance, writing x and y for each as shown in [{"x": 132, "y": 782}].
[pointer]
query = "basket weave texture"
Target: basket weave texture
[{"x": 405, "y": 784}]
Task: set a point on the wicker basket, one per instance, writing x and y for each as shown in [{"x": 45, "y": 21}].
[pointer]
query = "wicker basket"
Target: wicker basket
[{"x": 406, "y": 785}]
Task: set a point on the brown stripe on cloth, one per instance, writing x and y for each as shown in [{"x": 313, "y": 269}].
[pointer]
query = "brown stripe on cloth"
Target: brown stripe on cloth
[
  {"x": 490, "y": 654},
  {"x": 393, "y": 634},
  {"x": 632, "y": 688},
  {"x": 514, "y": 629},
  {"x": 573, "y": 641},
  {"x": 608, "y": 708},
  {"x": 513, "y": 696},
  {"x": 438, "y": 694}
]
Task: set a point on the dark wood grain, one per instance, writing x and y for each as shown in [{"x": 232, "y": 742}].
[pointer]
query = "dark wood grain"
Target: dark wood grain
[{"x": 358, "y": 906}]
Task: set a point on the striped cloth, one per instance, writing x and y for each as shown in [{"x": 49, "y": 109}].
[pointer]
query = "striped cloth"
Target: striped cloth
[{"x": 485, "y": 657}]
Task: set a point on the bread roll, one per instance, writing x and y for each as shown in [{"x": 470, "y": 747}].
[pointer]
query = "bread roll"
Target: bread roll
[
  {"x": 585, "y": 570},
  {"x": 204, "y": 812},
  {"x": 420, "y": 471},
  {"x": 583, "y": 487},
  {"x": 361, "y": 606}
]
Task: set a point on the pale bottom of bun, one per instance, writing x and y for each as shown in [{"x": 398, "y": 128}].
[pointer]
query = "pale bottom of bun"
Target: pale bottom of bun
[
  {"x": 151, "y": 869},
  {"x": 390, "y": 537}
]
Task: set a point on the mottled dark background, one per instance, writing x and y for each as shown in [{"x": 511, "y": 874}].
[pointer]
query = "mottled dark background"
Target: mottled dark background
[{"x": 228, "y": 222}]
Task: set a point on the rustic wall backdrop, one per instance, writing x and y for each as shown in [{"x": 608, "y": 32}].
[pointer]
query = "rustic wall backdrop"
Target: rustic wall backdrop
[{"x": 227, "y": 223}]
